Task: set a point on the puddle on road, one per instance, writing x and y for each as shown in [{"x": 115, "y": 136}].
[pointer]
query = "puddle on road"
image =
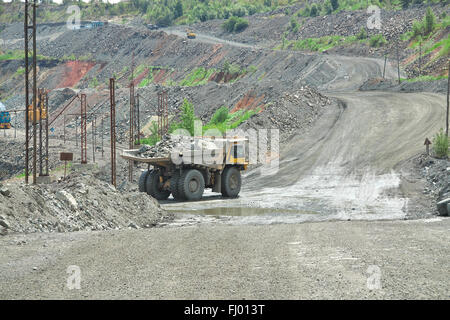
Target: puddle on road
[{"x": 239, "y": 211}]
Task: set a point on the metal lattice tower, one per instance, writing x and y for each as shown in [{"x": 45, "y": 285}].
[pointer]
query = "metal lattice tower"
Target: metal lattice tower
[
  {"x": 112, "y": 99},
  {"x": 83, "y": 117},
  {"x": 30, "y": 87}
]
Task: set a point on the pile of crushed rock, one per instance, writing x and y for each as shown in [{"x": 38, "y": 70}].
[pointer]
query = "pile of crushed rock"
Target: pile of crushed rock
[
  {"x": 80, "y": 202},
  {"x": 173, "y": 143},
  {"x": 437, "y": 173}
]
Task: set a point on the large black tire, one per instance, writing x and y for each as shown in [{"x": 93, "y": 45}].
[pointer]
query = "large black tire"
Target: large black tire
[
  {"x": 154, "y": 186},
  {"x": 191, "y": 185},
  {"x": 174, "y": 181},
  {"x": 143, "y": 181},
  {"x": 231, "y": 182}
]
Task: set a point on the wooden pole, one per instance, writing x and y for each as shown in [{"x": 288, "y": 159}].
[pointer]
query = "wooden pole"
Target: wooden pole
[
  {"x": 384, "y": 68},
  {"x": 448, "y": 93},
  {"x": 420, "y": 58},
  {"x": 398, "y": 64}
]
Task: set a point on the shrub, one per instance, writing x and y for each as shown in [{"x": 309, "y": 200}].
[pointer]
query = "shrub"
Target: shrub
[
  {"x": 377, "y": 40},
  {"x": 240, "y": 25},
  {"x": 314, "y": 11},
  {"x": 440, "y": 144},
  {"x": 362, "y": 34},
  {"x": 293, "y": 25},
  {"x": 235, "y": 24},
  {"x": 335, "y": 4},
  {"x": 430, "y": 21},
  {"x": 220, "y": 116}
]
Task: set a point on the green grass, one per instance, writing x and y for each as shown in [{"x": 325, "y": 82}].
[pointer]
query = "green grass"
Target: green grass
[
  {"x": 197, "y": 77},
  {"x": 222, "y": 120},
  {"x": 20, "y": 55},
  {"x": 425, "y": 78},
  {"x": 20, "y": 71},
  {"x": 319, "y": 44}
]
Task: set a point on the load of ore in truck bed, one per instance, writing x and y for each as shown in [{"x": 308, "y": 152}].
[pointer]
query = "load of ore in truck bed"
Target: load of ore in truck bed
[{"x": 170, "y": 143}]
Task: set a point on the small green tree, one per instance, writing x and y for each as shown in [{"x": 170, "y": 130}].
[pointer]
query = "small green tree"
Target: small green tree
[
  {"x": 314, "y": 11},
  {"x": 440, "y": 144},
  {"x": 430, "y": 21},
  {"x": 187, "y": 118},
  {"x": 405, "y": 3},
  {"x": 293, "y": 25},
  {"x": 362, "y": 34},
  {"x": 334, "y": 4},
  {"x": 178, "y": 10}
]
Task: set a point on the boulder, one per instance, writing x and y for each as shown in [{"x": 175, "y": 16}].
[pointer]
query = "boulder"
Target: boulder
[{"x": 443, "y": 207}]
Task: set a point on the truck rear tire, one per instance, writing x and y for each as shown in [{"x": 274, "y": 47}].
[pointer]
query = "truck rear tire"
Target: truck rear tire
[
  {"x": 231, "y": 182},
  {"x": 154, "y": 186},
  {"x": 191, "y": 185},
  {"x": 174, "y": 181},
  {"x": 143, "y": 181}
]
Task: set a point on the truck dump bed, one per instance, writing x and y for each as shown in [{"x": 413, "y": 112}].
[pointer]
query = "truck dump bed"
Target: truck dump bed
[{"x": 134, "y": 156}]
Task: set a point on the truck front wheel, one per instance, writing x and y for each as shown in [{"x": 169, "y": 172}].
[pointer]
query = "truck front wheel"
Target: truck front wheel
[
  {"x": 231, "y": 182},
  {"x": 191, "y": 185},
  {"x": 154, "y": 186}
]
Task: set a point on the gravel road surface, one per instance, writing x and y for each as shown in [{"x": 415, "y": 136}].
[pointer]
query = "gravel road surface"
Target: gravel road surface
[{"x": 331, "y": 260}]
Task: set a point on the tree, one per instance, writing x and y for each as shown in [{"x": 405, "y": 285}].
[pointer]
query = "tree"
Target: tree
[
  {"x": 430, "y": 21},
  {"x": 335, "y": 4},
  {"x": 405, "y": 3},
  {"x": 362, "y": 34},
  {"x": 178, "y": 11},
  {"x": 314, "y": 11}
]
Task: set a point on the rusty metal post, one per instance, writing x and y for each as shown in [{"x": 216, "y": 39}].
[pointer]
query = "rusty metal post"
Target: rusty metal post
[
  {"x": 15, "y": 125},
  {"x": 76, "y": 131},
  {"x": 27, "y": 93},
  {"x": 102, "y": 137},
  {"x": 138, "y": 118},
  {"x": 112, "y": 99},
  {"x": 163, "y": 118},
  {"x": 47, "y": 114},
  {"x": 30, "y": 24},
  {"x": 131, "y": 133},
  {"x": 83, "y": 129},
  {"x": 41, "y": 96},
  {"x": 64, "y": 129},
  {"x": 93, "y": 138},
  {"x": 34, "y": 95}
]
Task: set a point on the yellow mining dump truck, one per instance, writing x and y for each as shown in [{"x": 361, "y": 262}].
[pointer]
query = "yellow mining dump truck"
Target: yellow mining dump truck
[
  {"x": 185, "y": 174},
  {"x": 190, "y": 34}
]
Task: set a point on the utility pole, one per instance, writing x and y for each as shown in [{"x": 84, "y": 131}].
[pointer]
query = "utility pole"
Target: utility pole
[
  {"x": 93, "y": 137},
  {"x": 138, "y": 120},
  {"x": 448, "y": 93},
  {"x": 420, "y": 57},
  {"x": 112, "y": 99},
  {"x": 398, "y": 63}
]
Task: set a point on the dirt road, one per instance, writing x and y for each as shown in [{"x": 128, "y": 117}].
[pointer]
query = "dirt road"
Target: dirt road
[{"x": 333, "y": 260}]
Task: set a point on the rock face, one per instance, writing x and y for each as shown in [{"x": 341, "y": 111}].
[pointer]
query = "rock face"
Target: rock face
[{"x": 78, "y": 203}]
